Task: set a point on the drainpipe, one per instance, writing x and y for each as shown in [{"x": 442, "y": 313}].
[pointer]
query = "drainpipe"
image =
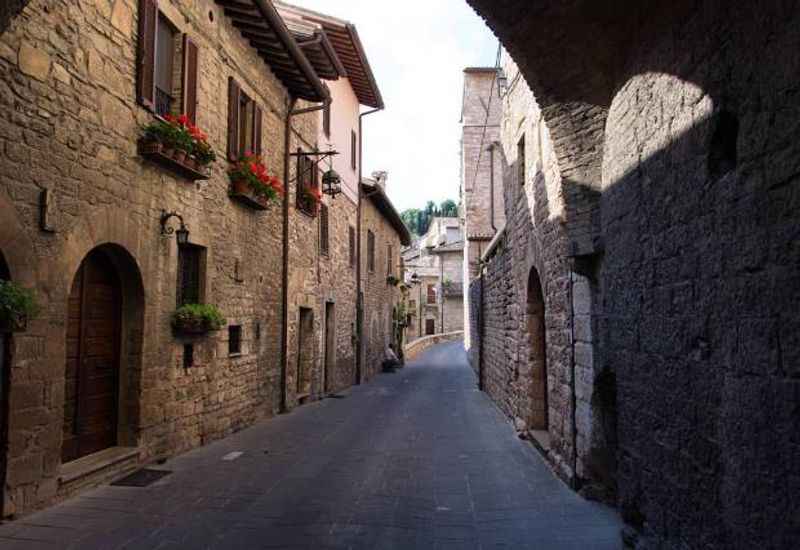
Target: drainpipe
[
  {"x": 359, "y": 300},
  {"x": 290, "y": 112},
  {"x": 491, "y": 186}
]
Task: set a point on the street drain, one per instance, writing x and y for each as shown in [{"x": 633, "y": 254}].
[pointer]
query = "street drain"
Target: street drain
[{"x": 141, "y": 478}]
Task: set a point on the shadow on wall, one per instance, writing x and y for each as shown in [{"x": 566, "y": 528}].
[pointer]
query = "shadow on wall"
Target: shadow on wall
[{"x": 9, "y": 9}]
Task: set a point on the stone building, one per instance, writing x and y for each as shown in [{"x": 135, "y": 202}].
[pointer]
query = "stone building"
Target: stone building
[
  {"x": 323, "y": 255},
  {"x": 99, "y": 383},
  {"x": 661, "y": 194},
  {"x": 435, "y": 260},
  {"x": 383, "y": 236},
  {"x": 481, "y": 172}
]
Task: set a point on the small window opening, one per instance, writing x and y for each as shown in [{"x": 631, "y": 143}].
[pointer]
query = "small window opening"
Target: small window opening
[
  {"x": 188, "y": 356},
  {"x": 722, "y": 155},
  {"x": 234, "y": 340},
  {"x": 257, "y": 331}
]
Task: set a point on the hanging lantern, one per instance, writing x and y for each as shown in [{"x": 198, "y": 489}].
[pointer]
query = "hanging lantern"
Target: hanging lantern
[{"x": 331, "y": 183}]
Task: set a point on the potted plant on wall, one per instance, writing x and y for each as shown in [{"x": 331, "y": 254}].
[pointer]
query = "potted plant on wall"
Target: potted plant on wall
[
  {"x": 178, "y": 144},
  {"x": 197, "y": 319},
  {"x": 252, "y": 184},
  {"x": 17, "y": 306},
  {"x": 310, "y": 199}
]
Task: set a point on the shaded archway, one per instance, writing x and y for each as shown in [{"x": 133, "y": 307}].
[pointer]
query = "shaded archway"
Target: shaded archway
[
  {"x": 5, "y": 365},
  {"x": 105, "y": 315},
  {"x": 537, "y": 351}
]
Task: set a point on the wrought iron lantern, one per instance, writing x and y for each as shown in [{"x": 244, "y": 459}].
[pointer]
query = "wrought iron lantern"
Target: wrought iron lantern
[
  {"x": 182, "y": 233},
  {"x": 414, "y": 279},
  {"x": 331, "y": 183}
]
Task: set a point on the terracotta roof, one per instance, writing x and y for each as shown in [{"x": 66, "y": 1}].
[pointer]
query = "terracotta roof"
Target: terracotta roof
[
  {"x": 345, "y": 40},
  {"x": 378, "y": 197},
  {"x": 260, "y": 23},
  {"x": 314, "y": 42}
]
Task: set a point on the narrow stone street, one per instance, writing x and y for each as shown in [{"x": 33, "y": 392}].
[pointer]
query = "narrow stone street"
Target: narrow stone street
[{"x": 415, "y": 459}]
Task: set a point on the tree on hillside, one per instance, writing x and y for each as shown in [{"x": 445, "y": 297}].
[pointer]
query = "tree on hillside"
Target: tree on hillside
[
  {"x": 448, "y": 209},
  {"x": 418, "y": 221}
]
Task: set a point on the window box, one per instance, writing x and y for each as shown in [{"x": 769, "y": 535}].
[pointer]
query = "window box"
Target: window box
[
  {"x": 174, "y": 160},
  {"x": 196, "y": 320},
  {"x": 241, "y": 192}
]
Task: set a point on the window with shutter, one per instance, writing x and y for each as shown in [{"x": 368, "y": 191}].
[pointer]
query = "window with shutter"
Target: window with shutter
[
  {"x": 148, "y": 22},
  {"x": 352, "y": 239},
  {"x": 370, "y": 251},
  {"x": 323, "y": 230},
  {"x": 191, "y": 61},
  {"x": 164, "y": 68},
  {"x": 244, "y": 123},
  {"x": 389, "y": 260},
  {"x": 190, "y": 265},
  {"x": 307, "y": 180},
  {"x": 431, "y": 294}
]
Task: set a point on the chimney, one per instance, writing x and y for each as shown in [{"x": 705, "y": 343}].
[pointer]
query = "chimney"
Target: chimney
[{"x": 380, "y": 179}]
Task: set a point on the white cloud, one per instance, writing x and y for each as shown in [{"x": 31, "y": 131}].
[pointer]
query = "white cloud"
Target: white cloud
[{"x": 417, "y": 50}]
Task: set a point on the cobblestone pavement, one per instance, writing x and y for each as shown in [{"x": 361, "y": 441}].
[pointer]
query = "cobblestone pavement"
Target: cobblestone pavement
[{"x": 414, "y": 459}]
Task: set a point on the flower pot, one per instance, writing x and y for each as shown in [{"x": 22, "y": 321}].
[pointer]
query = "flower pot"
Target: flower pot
[
  {"x": 151, "y": 147},
  {"x": 179, "y": 155},
  {"x": 192, "y": 163},
  {"x": 193, "y": 327},
  {"x": 241, "y": 191}
]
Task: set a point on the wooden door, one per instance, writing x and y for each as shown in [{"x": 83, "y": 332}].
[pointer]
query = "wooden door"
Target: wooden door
[
  {"x": 430, "y": 327},
  {"x": 330, "y": 342},
  {"x": 92, "y": 370}
]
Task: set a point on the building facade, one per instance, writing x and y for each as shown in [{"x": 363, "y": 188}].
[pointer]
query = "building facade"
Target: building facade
[
  {"x": 660, "y": 225},
  {"x": 482, "y": 211},
  {"x": 113, "y": 236},
  {"x": 434, "y": 274}
]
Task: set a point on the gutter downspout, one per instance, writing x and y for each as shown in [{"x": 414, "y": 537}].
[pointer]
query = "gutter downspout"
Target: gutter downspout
[
  {"x": 359, "y": 299},
  {"x": 290, "y": 112},
  {"x": 491, "y": 186}
]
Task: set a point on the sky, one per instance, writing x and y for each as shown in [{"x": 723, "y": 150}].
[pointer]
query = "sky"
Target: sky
[{"x": 417, "y": 50}]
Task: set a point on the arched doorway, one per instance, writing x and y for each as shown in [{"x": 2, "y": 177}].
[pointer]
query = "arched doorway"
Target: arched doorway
[
  {"x": 94, "y": 322},
  {"x": 537, "y": 351}
]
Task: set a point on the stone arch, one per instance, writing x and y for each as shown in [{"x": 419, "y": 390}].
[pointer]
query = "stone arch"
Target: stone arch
[
  {"x": 129, "y": 311},
  {"x": 537, "y": 351}
]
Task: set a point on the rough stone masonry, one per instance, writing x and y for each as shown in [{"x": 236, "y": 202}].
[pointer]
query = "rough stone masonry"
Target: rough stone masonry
[{"x": 670, "y": 274}]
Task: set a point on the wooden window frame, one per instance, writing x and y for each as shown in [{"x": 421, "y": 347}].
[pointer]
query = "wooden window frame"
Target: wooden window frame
[
  {"x": 324, "y": 230},
  {"x": 199, "y": 254},
  {"x": 237, "y": 147},
  {"x": 370, "y": 251}
]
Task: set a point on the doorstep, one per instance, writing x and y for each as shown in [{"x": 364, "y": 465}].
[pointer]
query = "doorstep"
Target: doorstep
[{"x": 96, "y": 469}]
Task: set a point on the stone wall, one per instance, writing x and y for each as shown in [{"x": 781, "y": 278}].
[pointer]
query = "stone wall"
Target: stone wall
[
  {"x": 672, "y": 133},
  {"x": 69, "y": 125},
  {"x": 380, "y": 298}
]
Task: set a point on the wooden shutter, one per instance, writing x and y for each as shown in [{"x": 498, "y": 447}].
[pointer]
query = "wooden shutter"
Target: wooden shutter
[
  {"x": 233, "y": 119},
  {"x": 145, "y": 83},
  {"x": 190, "y": 67},
  {"x": 257, "y": 116}
]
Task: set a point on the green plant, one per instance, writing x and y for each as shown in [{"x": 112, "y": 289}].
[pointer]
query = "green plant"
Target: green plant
[
  {"x": 179, "y": 133},
  {"x": 17, "y": 304},
  {"x": 205, "y": 316}
]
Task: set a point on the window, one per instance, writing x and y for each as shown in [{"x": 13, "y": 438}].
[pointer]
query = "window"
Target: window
[
  {"x": 326, "y": 120},
  {"x": 353, "y": 150},
  {"x": 244, "y": 123},
  {"x": 165, "y": 57},
  {"x": 352, "y": 240},
  {"x": 389, "y": 260},
  {"x": 160, "y": 50},
  {"x": 234, "y": 340},
  {"x": 521, "y": 160},
  {"x": 307, "y": 182},
  {"x": 431, "y": 294},
  {"x": 370, "y": 251},
  {"x": 323, "y": 230},
  {"x": 722, "y": 156},
  {"x": 430, "y": 327},
  {"x": 190, "y": 265},
  {"x": 188, "y": 356}
]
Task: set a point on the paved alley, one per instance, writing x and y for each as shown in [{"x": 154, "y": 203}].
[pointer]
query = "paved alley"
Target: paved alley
[{"x": 415, "y": 459}]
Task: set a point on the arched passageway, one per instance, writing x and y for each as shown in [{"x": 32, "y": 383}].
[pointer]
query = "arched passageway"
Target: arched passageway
[
  {"x": 5, "y": 365},
  {"x": 537, "y": 351},
  {"x": 104, "y": 327}
]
